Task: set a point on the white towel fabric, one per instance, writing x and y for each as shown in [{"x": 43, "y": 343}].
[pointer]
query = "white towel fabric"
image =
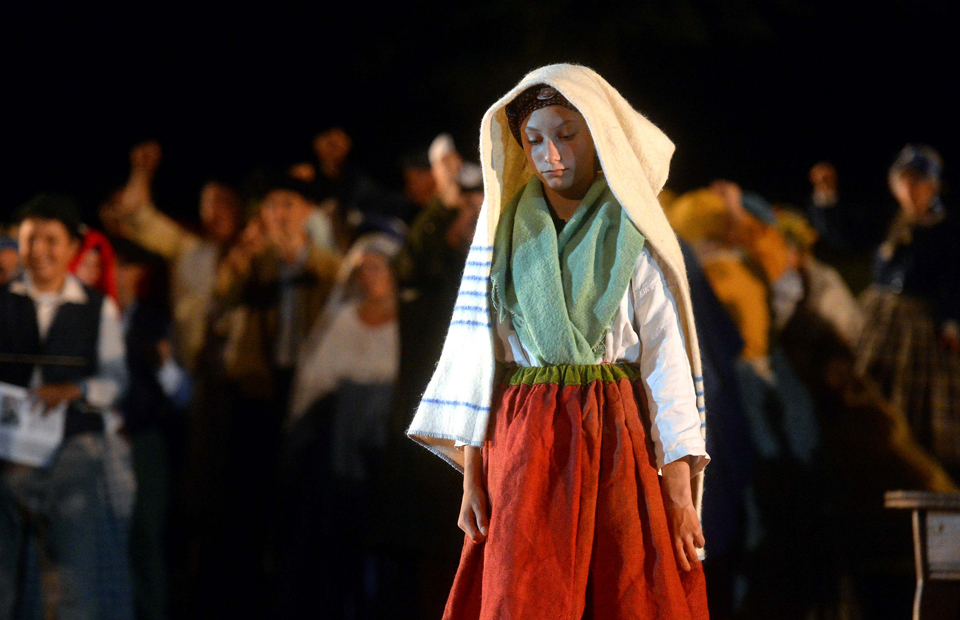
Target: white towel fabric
[{"x": 635, "y": 157}]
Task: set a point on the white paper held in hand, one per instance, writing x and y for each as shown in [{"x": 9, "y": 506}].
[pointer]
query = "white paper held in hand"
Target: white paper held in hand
[{"x": 29, "y": 433}]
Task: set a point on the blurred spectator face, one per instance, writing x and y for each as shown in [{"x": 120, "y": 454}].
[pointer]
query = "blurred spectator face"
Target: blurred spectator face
[
  {"x": 374, "y": 278},
  {"x": 220, "y": 209},
  {"x": 284, "y": 213},
  {"x": 419, "y": 185},
  {"x": 90, "y": 268},
  {"x": 9, "y": 264},
  {"x": 332, "y": 147},
  {"x": 914, "y": 192},
  {"x": 47, "y": 249},
  {"x": 129, "y": 276}
]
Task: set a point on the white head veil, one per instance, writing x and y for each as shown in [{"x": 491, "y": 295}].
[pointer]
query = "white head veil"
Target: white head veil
[
  {"x": 635, "y": 156},
  {"x": 309, "y": 381}
]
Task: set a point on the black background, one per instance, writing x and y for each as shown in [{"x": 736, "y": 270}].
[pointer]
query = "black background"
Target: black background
[{"x": 748, "y": 90}]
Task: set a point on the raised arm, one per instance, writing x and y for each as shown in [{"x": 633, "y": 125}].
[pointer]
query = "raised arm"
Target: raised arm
[{"x": 134, "y": 216}]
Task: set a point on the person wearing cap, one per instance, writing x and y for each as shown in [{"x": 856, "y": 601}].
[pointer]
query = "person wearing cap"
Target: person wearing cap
[
  {"x": 283, "y": 280},
  {"x": 568, "y": 387},
  {"x": 47, "y": 313},
  {"x": 911, "y": 339},
  {"x": 279, "y": 282}
]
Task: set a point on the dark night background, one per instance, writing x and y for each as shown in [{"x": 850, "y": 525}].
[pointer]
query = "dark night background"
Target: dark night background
[{"x": 755, "y": 91}]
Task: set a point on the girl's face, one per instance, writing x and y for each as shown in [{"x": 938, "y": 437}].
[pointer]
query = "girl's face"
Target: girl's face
[
  {"x": 560, "y": 149},
  {"x": 374, "y": 278}
]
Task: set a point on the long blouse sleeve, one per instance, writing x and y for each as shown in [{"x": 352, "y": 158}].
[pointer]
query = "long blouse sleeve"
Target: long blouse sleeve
[{"x": 667, "y": 377}]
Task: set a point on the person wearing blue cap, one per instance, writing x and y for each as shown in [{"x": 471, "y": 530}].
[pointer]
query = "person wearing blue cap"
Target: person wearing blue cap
[{"x": 911, "y": 343}]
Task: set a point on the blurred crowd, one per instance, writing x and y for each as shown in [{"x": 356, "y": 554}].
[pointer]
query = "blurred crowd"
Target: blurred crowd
[{"x": 234, "y": 441}]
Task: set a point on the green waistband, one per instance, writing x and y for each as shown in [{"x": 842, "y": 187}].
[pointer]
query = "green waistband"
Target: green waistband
[{"x": 570, "y": 375}]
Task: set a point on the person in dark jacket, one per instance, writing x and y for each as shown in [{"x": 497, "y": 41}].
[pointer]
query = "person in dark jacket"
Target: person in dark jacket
[
  {"x": 62, "y": 341},
  {"x": 911, "y": 342},
  {"x": 154, "y": 411}
]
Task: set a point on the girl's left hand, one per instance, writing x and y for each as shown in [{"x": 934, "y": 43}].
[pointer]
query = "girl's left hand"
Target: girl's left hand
[{"x": 682, "y": 517}]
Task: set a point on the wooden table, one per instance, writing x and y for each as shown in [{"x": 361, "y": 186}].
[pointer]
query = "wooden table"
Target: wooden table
[{"x": 936, "y": 549}]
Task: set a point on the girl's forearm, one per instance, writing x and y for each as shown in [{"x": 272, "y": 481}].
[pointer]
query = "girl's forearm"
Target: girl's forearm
[
  {"x": 472, "y": 466},
  {"x": 675, "y": 482}
]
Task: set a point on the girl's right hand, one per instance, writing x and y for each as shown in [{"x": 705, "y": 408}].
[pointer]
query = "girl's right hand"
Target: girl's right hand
[{"x": 473, "y": 512}]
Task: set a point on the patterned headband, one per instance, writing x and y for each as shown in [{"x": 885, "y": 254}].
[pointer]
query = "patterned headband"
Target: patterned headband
[{"x": 532, "y": 99}]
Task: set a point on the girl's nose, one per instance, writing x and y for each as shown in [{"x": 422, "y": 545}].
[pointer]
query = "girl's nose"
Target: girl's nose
[{"x": 552, "y": 155}]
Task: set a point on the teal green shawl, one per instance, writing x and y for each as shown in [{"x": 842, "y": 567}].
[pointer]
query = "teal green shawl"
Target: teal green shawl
[{"x": 561, "y": 291}]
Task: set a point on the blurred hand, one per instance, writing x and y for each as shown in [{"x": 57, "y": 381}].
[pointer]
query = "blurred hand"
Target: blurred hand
[
  {"x": 681, "y": 514},
  {"x": 460, "y": 233},
  {"x": 474, "y": 510},
  {"x": 53, "y": 394},
  {"x": 145, "y": 157},
  {"x": 251, "y": 242},
  {"x": 823, "y": 177},
  {"x": 144, "y": 160},
  {"x": 446, "y": 172}
]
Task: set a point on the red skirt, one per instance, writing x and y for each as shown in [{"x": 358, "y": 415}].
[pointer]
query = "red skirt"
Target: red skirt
[{"x": 577, "y": 524}]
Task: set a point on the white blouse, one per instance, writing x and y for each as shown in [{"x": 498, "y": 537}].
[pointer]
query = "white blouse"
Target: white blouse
[
  {"x": 350, "y": 350},
  {"x": 646, "y": 333}
]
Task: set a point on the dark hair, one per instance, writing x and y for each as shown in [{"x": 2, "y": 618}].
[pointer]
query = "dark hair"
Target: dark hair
[{"x": 57, "y": 207}]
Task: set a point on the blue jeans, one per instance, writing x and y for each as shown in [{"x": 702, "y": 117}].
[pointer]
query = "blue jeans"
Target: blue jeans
[{"x": 67, "y": 504}]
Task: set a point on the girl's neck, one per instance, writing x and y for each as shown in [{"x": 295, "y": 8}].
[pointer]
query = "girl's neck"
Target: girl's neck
[
  {"x": 564, "y": 207},
  {"x": 565, "y": 204}
]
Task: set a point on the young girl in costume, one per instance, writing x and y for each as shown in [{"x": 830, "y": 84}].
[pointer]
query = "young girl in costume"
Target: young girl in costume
[{"x": 569, "y": 388}]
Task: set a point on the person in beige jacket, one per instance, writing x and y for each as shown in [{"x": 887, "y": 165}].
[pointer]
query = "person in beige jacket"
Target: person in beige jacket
[{"x": 194, "y": 258}]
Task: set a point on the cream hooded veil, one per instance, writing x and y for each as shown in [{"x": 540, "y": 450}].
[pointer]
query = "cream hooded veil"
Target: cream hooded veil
[{"x": 635, "y": 156}]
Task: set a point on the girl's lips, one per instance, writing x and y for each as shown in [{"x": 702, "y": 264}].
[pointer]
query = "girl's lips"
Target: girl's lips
[{"x": 556, "y": 172}]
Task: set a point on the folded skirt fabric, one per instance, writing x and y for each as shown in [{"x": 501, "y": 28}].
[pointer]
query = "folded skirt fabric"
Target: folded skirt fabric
[{"x": 577, "y": 524}]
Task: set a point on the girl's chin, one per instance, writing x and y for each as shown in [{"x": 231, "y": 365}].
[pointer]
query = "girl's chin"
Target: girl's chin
[{"x": 554, "y": 182}]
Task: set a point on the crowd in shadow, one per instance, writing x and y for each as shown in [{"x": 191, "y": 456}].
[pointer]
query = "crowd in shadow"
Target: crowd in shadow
[{"x": 241, "y": 453}]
